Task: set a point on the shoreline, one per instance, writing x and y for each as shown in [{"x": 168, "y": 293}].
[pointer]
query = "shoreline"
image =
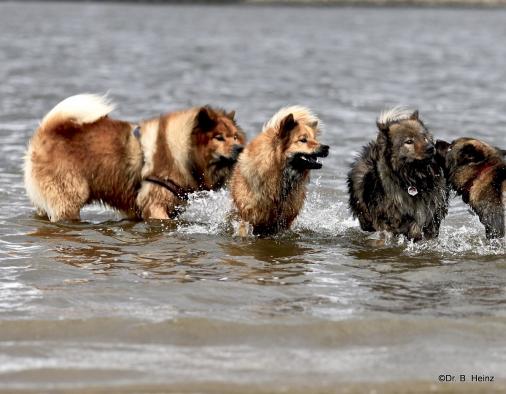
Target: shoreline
[{"x": 480, "y": 4}]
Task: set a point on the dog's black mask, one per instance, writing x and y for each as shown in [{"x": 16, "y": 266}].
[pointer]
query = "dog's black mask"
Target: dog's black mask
[{"x": 306, "y": 161}]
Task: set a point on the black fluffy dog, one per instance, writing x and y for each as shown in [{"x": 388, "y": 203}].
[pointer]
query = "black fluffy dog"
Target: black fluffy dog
[{"x": 397, "y": 184}]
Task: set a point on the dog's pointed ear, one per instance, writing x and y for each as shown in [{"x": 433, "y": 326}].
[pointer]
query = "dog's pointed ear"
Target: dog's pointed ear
[
  {"x": 205, "y": 120},
  {"x": 287, "y": 124},
  {"x": 313, "y": 124},
  {"x": 415, "y": 116},
  {"x": 442, "y": 147},
  {"x": 382, "y": 127},
  {"x": 230, "y": 115}
]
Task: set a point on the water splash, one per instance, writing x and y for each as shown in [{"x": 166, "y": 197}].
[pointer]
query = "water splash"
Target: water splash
[
  {"x": 326, "y": 215},
  {"x": 206, "y": 213},
  {"x": 466, "y": 240}
]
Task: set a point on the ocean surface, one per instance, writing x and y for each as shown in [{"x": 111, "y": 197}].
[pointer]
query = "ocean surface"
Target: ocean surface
[{"x": 110, "y": 305}]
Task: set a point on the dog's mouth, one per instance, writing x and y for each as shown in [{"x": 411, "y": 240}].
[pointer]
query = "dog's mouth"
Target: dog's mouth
[
  {"x": 309, "y": 161},
  {"x": 227, "y": 161},
  {"x": 306, "y": 161},
  {"x": 223, "y": 161}
]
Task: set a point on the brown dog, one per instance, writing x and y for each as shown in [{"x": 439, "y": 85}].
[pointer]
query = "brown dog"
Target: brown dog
[
  {"x": 477, "y": 172},
  {"x": 268, "y": 184},
  {"x": 79, "y": 155}
]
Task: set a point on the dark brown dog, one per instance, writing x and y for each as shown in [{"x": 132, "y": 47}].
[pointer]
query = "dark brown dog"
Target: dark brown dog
[
  {"x": 396, "y": 184},
  {"x": 477, "y": 172}
]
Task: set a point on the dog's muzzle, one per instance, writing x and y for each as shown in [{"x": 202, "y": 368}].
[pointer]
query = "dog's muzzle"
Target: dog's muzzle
[
  {"x": 309, "y": 161},
  {"x": 226, "y": 161},
  {"x": 236, "y": 150},
  {"x": 323, "y": 151},
  {"x": 430, "y": 150}
]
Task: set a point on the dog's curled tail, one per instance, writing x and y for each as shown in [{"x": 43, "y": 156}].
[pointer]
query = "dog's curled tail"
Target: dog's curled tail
[{"x": 81, "y": 108}]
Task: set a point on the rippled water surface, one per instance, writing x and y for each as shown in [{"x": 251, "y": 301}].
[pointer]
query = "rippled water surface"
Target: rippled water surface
[{"x": 185, "y": 306}]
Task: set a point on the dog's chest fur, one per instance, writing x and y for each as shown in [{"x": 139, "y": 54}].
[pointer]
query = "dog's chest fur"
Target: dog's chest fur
[
  {"x": 429, "y": 200},
  {"x": 290, "y": 181}
]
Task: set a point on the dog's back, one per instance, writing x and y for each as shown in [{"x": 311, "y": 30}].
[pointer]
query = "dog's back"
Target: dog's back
[{"x": 396, "y": 185}]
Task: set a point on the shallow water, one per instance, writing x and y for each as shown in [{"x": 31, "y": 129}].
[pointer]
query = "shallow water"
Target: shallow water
[{"x": 185, "y": 306}]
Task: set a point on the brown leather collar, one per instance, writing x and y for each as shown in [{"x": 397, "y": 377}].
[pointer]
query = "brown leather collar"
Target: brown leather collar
[
  {"x": 170, "y": 185},
  {"x": 481, "y": 169},
  {"x": 179, "y": 191}
]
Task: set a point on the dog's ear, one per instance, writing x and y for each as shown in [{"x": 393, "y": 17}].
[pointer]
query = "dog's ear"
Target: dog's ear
[
  {"x": 287, "y": 124},
  {"x": 230, "y": 115},
  {"x": 382, "y": 127},
  {"x": 442, "y": 147},
  {"x": 313, "y": 124},
  {"x": 414, "y": 116},
  {"x": 205, "y": 120}
]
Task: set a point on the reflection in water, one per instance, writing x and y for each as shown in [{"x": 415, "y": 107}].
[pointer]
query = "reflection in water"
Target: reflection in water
[
  {"x": 269, "y": 261},
  {"x": 154, "y": 251}
]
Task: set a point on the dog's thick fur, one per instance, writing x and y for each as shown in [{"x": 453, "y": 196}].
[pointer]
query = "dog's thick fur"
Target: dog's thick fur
[
  {"x": 80, "y": 155},
  {"x": 400, "y": 161},
  {"x": 268, "y": 184},
  {"x": 477, "y": 172}
]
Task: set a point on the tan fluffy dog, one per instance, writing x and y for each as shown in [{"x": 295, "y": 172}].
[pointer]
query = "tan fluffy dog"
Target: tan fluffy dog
[
  {"x": 79, "y": 155},
  {"x": 268, "y": 184}
]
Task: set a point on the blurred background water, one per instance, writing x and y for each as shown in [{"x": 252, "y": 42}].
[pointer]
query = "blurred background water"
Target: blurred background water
[{"x": 185, "y": 306}]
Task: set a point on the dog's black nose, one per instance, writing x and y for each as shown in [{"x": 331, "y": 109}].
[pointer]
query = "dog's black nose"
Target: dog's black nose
[
  {"x": 324, "y": 150},
  {"x": 430, "y": 150},
  {"x": 236, "y": 149}
]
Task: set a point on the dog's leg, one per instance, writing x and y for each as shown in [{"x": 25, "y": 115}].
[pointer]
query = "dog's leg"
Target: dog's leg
[
  {"x": 432, "y": 230},
  {"x": 41, "y": 213},
  {"x": 65, "y": 195},
  {"x": 155, "y": 212},
  {"x": 415, "y": 232},
  {"x": 244, "y": 229},
  {"x": 492, "y": 217},
  {"x": 155, "y": 202}
]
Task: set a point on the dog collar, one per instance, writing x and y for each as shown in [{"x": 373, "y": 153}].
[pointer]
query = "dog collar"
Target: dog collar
[
  {"x": 481, "y": 169},
  {"x": 412, "y": 191},
  {"x": 171, "y": 186},
  {"x": 137, "y": 132},
  {"x": 179, "y": 191}
]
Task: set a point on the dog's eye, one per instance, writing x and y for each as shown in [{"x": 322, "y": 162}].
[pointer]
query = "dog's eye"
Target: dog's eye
[
  {"x": 409, "y": 141},
  {"x": 303, "y": 140},
  {"x": 219, "y": 137},
  {"x": 236, "y": 137}
]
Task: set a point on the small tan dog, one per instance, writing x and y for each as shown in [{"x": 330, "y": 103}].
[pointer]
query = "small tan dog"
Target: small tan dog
[
  {"x": 79, "y": 155},
  {"x": 268, "y": 184}
]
